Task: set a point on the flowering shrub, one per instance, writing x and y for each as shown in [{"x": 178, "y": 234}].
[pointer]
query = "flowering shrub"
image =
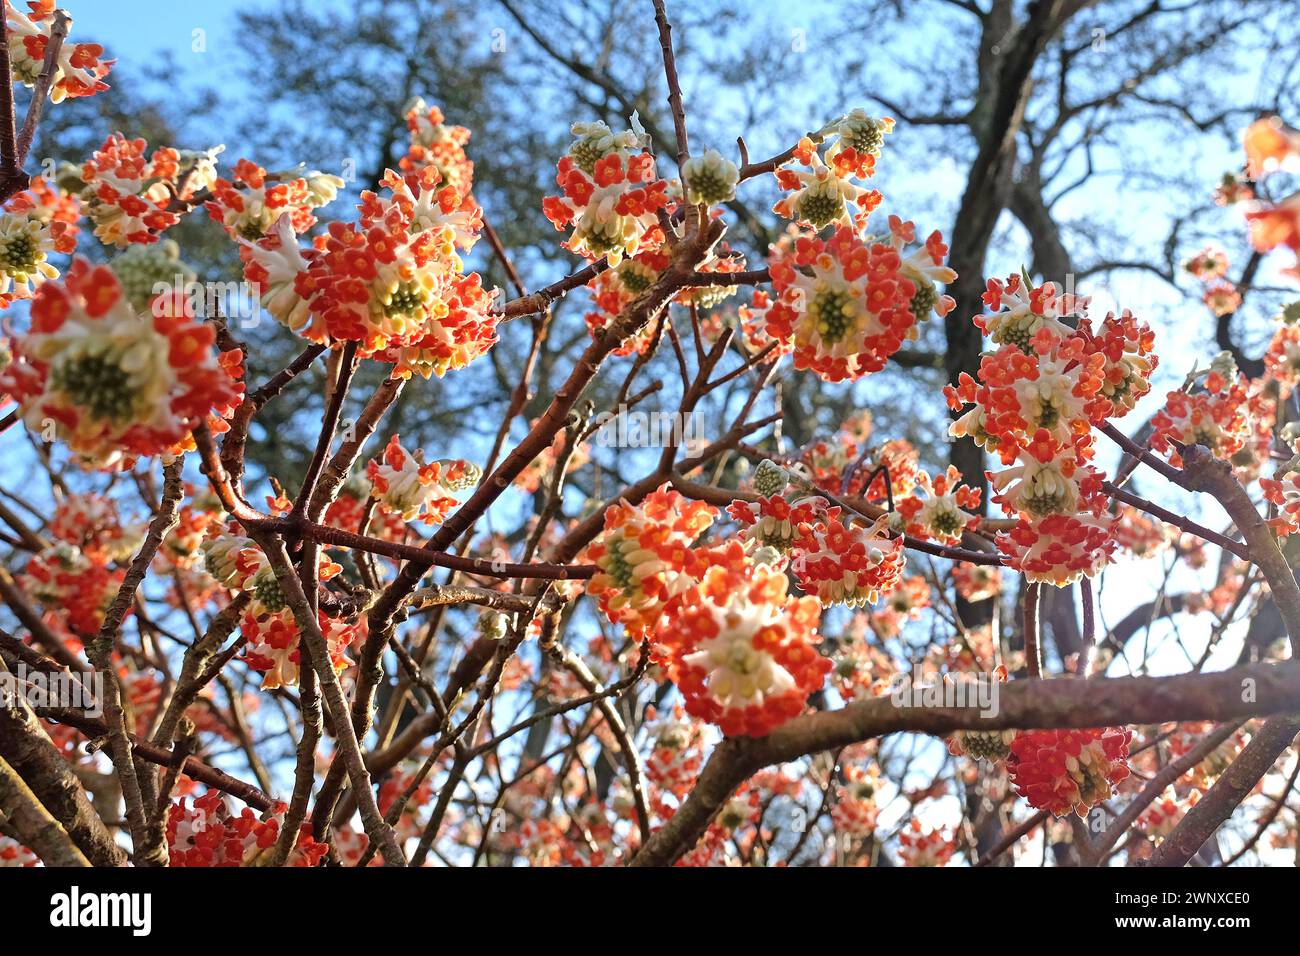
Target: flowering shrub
[
  {"x": 737, "y": 645},
  {"x": 406, "y": 486},
  {"x": 844, "y": 306},
  {"x": 642, "y": 558}
]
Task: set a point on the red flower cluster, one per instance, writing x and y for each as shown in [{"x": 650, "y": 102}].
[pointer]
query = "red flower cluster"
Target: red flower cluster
[
  {"x": 922, "y": 847},
  {"x": 208, "y": 834},
  {"x": 741, "y": 651},
  {"x": 405, "y": 485},
  {"x": 643, "y": 556},
  {"x": 1036, "y": 402},
  {"x": 976, "y": 582},
  {"x": 273, "y": 640},
  {"x": 1217, "y": 417},
  {"x": 394, "y": 282},
  {"x": 116, "y": 384},
  {"x": 127, "y": 194},
  {"x": 611, "y": 194},
  {"x": 843, "y": 306},
  {"x": 1064, "y": 770},
  {"x": 776, "y": 522},
  {"x": 1282, "y": 360},
  {"x": 935, "y": 508},
  {"x": 823, "y": 192},
  {"x": 848, "y": 564},
  {"x": 435, "y": 144},
  {"x": 79, "y": 68},
  {"x": 75, "y": 587},
  {"x": 35, "y": 223},
  {"x": 248, "y": 205}
]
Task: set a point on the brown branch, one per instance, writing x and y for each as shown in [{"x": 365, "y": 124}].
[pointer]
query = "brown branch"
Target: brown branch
[
  {"x": 1154, "y": 787},
  {"x": 39, "y": 831},
  {"x": 194, "y": 768},
  {"x": 136, "y": 791},
  {"x": 41, "y": 89},
  {"x": 349, "y": 751},
  {"x": 674, "y": 87},
  {"x": 12, "y": 179},
  {"x": 29, "y": 750},
  {"x": 1021, "y": 704},
  {"x": 1178, "y": 521},
  {"x": 1033, "y": 646},
  {"x": 1236, "y": 783}
]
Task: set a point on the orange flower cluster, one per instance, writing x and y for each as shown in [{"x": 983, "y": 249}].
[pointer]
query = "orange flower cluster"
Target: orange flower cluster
[
  {"x": 741, "y": 651},
  {"x": 117, "y": 384},
  {"x": 1035, "y": 404}
]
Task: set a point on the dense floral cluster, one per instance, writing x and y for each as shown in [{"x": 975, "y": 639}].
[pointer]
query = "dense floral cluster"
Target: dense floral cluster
[
  {"x": 918, "y": 846},
  {"x": 848, "y": 564},
  {"x": 861, "y": 667},
  {"x": 1217, "y": 416},
  {"x": 855, "y": 811},
  {"x": 80, "y": 68},
  {"x": 1141, "y": 535},
  {"x": 935, "y": 508},
  {"x": 206, "y": 833},
  {"x": 991, "y": 745},
  {"x": 844, "y": 306},
  {"x": 436, "y": 144},
  {"x": 976, "y": 582},
  {"x": 776, "y": 522},
  {"x": 1064, "y": 770},
  {"x": 128, "y": 195},
  {"x": 904, "y": 603},
  {"x": 642, "y": 556},
  {"x": 405, "y": 485},
  {"x": 676, "y": 752},
  {"x": 741, "y": 651},
  {"x": 74, "y": 586},
  {"x": 147, "y": 271},
  {"x": 35, "y": 224},
  {"x": 610, "y": 194},
  {"x": 393, "y": 282},
  {"x": 91, "y": 523},
  {"x": 253, "y": 200},
  {"x": 615, "y": 288},
  {"x": 1185, "y": 737},
  {"x": 273, "y": 636},
  {"x": 114, "y": 384},
  {"x": 1282, "y": 360},
  {"x": 1035, "y": 404},
  {"x": 823, "y": 191},
  {"x": 1159, "y": 819},
  {"x": 825, "y": 462},
  {"x": 268, "y": 624}
]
